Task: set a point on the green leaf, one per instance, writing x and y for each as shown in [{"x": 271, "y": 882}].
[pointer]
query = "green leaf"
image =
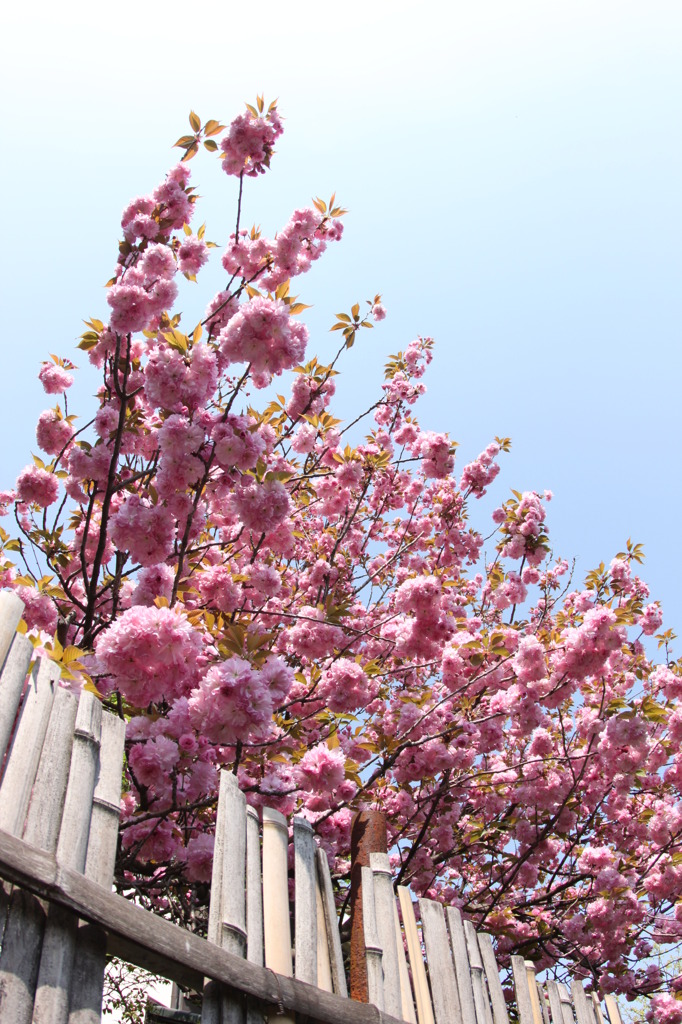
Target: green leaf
[{"x": 195, "y": 121}]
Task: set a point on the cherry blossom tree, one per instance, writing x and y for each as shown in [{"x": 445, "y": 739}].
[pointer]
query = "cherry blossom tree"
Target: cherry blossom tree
[{"x": 258, "y": 586}]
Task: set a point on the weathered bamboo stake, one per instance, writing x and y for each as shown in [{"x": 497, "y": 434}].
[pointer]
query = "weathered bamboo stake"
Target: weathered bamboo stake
[
  {"x": 233, "y": 890},
  {"x": 305, "y": 909},
  {"x": 582, "y": 1010},
  {"x": 210, "y": 1005},
  {"x": 384, "y": 907},
  {"x": 406, "y": 996},
  {"x": 87, "y": 981},
  {"x": 59, "y": 942},
  {"x": 460, "y": 955},
  {"x": 12, "y": 683},
  {"x": 331, "y": 925},
  {"x": 11, "y": 610},
  {"x": 374, "y": 970},
  {"x": 323, "y": 958},
  {"x": 446, "y": 1005},
  {"x": 276, "y": 924},
  {"x": 492, "y": 976},
  {"x": 533, "y": 992},
  {"x": 21, "y": 949},
  {"x": 27, "y": 744},
  {"x": 566, "y": 1004},
  {"x": 419, "y": 979},
  {"x": 596, "y": 1009},
  {"x": 612, "y": 1009},
  {"x": 481, "y": 994},
  {"x": 542, "y": 996},
  {"x": 555, "y": 1002},
  {"x": 254, "y": 904},
  {"x": 522, "y": 991}
]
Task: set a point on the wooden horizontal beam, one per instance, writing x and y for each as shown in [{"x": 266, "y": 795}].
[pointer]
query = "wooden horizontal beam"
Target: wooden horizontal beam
[{"x": 149, "y": 941}]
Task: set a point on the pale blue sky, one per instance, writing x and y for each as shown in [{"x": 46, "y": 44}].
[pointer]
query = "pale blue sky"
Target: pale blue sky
[{"x": 512, "y": 171}]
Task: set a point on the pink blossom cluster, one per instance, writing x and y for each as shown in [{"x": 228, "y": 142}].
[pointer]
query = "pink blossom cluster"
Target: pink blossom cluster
[
  {"x": 150, "y": 654},
  {"x": 37, "y": 486},
  {"x": 249, "y": 143},
  {"x": 263, "y": 335},
  {"x": 235, "y": 702}
]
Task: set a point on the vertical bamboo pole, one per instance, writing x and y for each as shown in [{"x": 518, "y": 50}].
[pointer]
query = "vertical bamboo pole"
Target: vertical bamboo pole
[
  {"x": 331, "y": 926},
  {"x": 21, "y": 949},
  {"x": 11, "y": 610},
  {"x": 276, "y": 924},
  {"x": 11, "y": 687},
  {"x": 305, "y": 908},
  {"x": 87, "y": 982},
  {"x": 56, "y": 960},
  {"x": 254, "y": 903},
  {"x": 420, "y": 981},
  {"x": 446, "y": 1005}
]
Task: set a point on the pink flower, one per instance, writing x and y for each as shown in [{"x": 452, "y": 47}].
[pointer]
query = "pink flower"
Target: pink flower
[
  {"x": 146, "y": 531},
  {"x": 54, "y": 378},
  {"x": 321, "y": 769},
  {"x": 651, "y": 619},
  {"x": 262, "y": 506},
  {"x": 52, "y": 432},
  {"x": 345, "y": 687},
  {"x": 200, "y": 857},
  {"x": 192, "y": 255},
  {"x": 263, "y": 334},
  {"x": 378, "y": 312},
  {"x": 37, "y": 486},
  {"x": 150, "y": 653},
  {"x": 39, "y": 611},
  {"x": 249, "y": 143}
]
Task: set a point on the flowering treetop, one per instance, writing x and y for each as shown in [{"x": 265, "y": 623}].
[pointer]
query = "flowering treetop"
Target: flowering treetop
[{"x": 257, "y": 586}]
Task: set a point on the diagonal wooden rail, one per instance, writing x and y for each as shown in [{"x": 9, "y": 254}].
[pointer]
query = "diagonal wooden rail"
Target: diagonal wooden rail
[{"x": 143, "y": 938}]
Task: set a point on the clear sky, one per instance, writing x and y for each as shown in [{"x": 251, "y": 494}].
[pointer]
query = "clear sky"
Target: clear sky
[{"x": 512, "y": 170}]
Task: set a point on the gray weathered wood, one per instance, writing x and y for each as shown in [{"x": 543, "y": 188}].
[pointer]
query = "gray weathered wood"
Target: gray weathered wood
[
  {"x": 580, "y": 1005},
  {"x": 210, "y": 1005},
  {"x": 25, "y": 918},
  {"x": 554, "y": 1002},
  {"x": 87, "y": 980},
  {"x": 12, "y": 685},
  {"x": 61, "y": 928},
  {"x": 254, "y": 889},
  {"x": 373, "y": 948},
  {"x": 533, "y": 992},
  {"x": 522, "y": 992},
  {"x": 542, "y": 996},
  {"x": 406, "y": 997},
  {"x": 156, "y": 944},
  {"x": 305, "y": 907},
  {"x": 233, "y": 896},
  {"x": 444, "y": 990},
  {"x": 612, "y": 1009},
  {"x": 11, "y": 610},
  {"x": 384, "y": 905},
  {"x": 276, "y": 924},
  {"x": 332, "y": 925},
  {"x": 492, "y": 977},
  {"x": 419, "y": 979},
  {"x": 596, "y": 1009},
  {"x": 566, "y": 1004},
  {"x": 324, "y": 967},
  {"x": 460, "y": 956},
  {"x": 484, "y": 1013},
  {"x": 277, "y": 921},
  {"x": 254, "y": 904},
  {"x": 26, "y": 747},
  {"x": 20, "y": 957}
]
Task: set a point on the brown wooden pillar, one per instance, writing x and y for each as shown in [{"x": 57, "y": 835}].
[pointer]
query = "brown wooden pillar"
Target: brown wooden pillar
[{"x": 368, "y": 835}]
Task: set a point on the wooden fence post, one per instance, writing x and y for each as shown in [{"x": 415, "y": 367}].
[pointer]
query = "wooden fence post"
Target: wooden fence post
[{"x": 368, "y": 835}]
